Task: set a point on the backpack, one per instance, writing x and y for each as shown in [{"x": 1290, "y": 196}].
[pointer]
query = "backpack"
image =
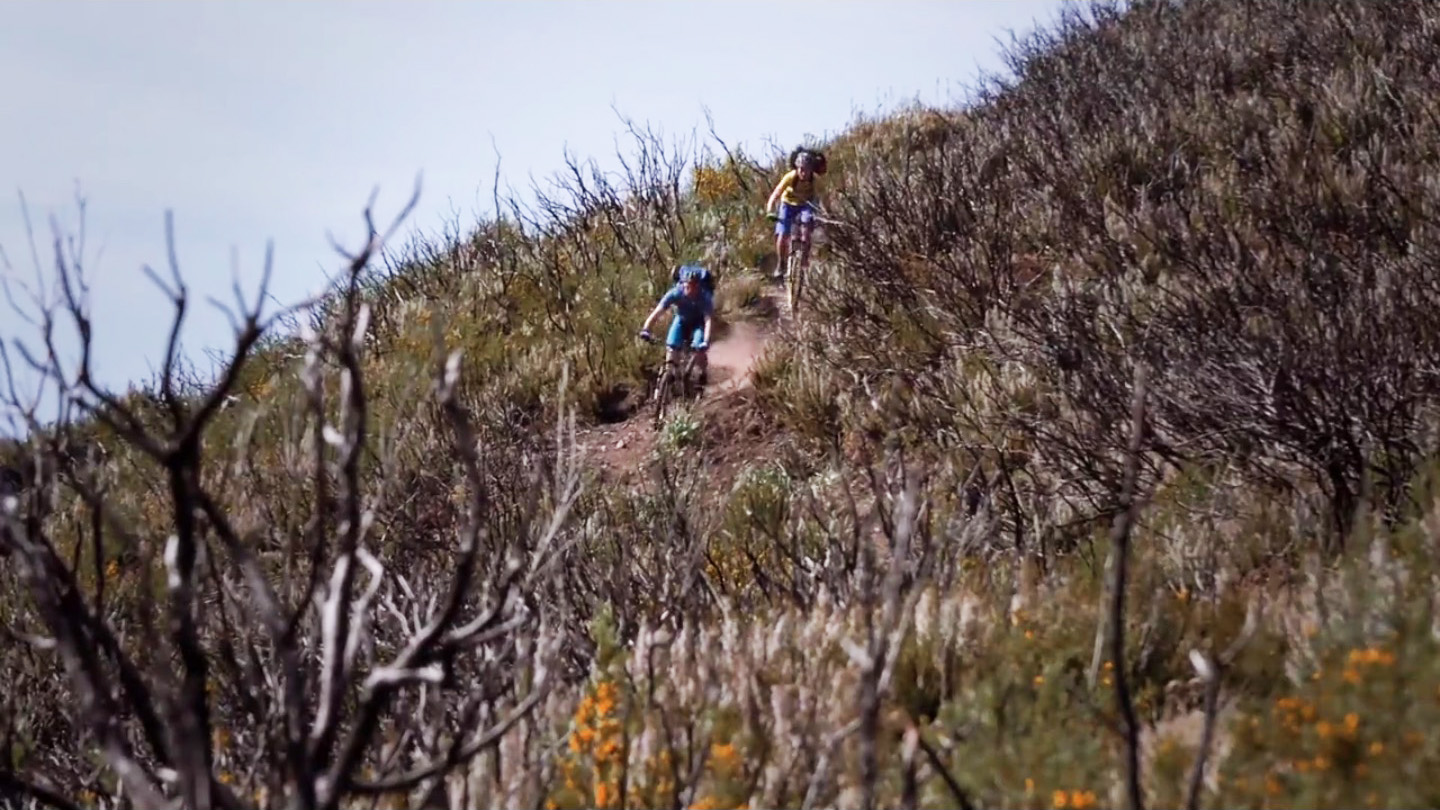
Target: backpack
[
  {"x": 816, "y": 154},
  {"x": 685, "y": 271}
]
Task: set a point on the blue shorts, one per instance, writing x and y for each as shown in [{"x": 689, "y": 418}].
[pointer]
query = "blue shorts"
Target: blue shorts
[
  {"x": 678, "y": 329},
  {"x": 805, "y": 213}
]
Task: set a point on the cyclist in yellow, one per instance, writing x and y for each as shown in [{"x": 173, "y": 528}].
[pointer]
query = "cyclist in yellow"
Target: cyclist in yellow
[{"x": 796, "y": 195}]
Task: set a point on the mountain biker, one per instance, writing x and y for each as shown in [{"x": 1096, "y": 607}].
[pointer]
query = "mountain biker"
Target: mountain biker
[
  {"x": 796, "y": 194},
  {"x": 694, "y": 307}
]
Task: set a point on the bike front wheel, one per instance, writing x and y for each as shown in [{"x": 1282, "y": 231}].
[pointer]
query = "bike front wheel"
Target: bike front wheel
[
  {"x": 662, "y": 396},
  {"x": 794, "y": 274}
]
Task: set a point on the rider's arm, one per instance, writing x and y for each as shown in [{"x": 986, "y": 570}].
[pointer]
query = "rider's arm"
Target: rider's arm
[
  {"x": 708, "y": 320},
  {"x": 779, "y": 189},
  {"x": 654, "y": 313},
  {"x": 665, "y": 300}
]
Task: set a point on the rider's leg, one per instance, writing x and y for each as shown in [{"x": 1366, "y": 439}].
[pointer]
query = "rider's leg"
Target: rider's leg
[
  {"x": 782, "y": 238},
  {"x": 673, "y": 339},
  {"x": 702, "y": 356},
  {"x": 807, "y": 223}
]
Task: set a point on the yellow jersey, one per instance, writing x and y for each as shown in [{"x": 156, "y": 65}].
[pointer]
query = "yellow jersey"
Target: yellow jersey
[{"x": 797, "y": 191}]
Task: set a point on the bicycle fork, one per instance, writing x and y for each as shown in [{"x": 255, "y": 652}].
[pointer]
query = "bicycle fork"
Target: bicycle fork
[{"x": 795, "y": 260}]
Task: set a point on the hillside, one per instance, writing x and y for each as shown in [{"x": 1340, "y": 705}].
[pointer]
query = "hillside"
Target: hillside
[{"x": 1147, "y": 331}]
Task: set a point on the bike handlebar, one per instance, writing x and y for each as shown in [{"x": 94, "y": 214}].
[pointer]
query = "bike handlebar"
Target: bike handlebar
[
  {"x": 683, "y": 347},
  {"x": 818, "y": 219}
]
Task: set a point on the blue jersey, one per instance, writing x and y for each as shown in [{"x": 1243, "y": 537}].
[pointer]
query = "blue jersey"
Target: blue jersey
[{"x": 687, "y": 309}]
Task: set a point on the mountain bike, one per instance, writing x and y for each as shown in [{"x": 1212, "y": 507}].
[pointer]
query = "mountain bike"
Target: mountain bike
[
  {"x": 679, "y": 372},
  {"x": 799, "y": 251}
]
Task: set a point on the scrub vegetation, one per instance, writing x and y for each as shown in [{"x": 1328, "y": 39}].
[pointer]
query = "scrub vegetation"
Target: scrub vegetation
[{"x": 1101, "y": 471}]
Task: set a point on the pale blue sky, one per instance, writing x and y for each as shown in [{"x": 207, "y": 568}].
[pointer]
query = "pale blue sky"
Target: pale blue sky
[{"x": 267, "y": 120}]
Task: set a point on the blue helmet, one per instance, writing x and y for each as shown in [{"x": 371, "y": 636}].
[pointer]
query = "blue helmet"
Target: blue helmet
[{"x": 685, "y": 272}]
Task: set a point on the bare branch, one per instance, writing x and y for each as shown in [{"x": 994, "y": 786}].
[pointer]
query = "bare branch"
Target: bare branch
[
  {"x": 1120, "y": 541},
  {"x": 1209, "y": 673}
]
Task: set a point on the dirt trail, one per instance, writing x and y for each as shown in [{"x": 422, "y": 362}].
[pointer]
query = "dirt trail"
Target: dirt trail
[
  {"x": 732, "y": 358},
  {"x": 619, "y": 447}
]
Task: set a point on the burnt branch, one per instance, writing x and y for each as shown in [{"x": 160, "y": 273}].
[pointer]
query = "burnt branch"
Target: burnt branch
[
  {"x": 322, "y": 650},
  {"x": 1120, "y": 541}
]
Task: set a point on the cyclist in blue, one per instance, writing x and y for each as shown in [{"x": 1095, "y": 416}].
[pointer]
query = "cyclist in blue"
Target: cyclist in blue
[{"x": 694, "y": 305}]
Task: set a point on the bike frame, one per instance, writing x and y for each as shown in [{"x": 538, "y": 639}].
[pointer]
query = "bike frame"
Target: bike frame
[
  {"x": 682, "y": 359},
  {"x": 796, "y": 257}
]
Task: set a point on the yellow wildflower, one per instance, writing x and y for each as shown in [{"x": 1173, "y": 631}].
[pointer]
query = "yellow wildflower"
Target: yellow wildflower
[{"x": 724, "y": 755}]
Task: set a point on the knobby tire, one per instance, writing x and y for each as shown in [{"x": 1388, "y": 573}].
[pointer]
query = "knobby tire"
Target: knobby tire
[
  {"x": 662, "y": 397},
  {"x": 688, "y": 387},
  {"x": 794, "y": 281}
]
